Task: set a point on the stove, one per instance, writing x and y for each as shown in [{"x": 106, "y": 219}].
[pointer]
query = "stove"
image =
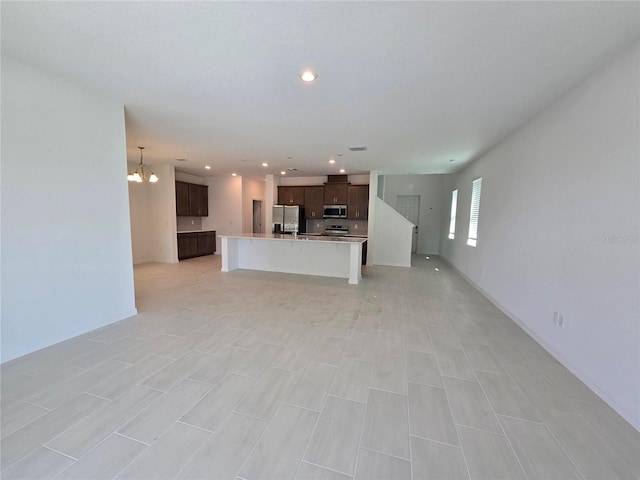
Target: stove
[{"x": 336, "y": 231}]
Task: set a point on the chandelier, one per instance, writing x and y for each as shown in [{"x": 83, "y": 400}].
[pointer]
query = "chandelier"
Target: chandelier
[{"x": 139, "y": 175}]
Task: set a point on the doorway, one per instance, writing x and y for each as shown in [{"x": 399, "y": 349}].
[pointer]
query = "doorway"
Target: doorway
[
  {"x": 409, "y": 207},
  {"x": 257, "y": 216}
]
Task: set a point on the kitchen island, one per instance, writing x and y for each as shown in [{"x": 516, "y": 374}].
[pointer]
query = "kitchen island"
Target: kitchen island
[{"x": 305, "y": 254}]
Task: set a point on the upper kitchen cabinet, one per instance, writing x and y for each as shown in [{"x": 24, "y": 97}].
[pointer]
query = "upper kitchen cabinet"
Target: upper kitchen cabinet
[
  {"x": 182, "y": 199},
  {"x": 335, "y": 194},
  {"x": 288, "y": 195},
  {"x": 313, "y": 202},
  {"x": 199, "y": 200},
  {"x": 192, "y": 200},
  {"x": 358, "y": 202}
]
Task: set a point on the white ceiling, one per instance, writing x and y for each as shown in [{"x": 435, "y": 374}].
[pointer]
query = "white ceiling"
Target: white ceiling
[{"x": 418, "y": 83}]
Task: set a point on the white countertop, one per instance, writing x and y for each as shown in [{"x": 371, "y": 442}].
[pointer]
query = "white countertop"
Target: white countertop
[{"x": 300, "y": 238}]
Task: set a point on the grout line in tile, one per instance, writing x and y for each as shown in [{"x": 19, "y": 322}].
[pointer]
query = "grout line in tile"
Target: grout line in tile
[
  {"x": 325, "y": 468},
  {"x": 98, "y": 396},
  {"x": 131, "y": 438},
  {"x": 345, "y": 398},
  {"x": 182, "y": 422},
  {"x": 513, "y": 450},
  {"x": 446, "y": 395},
  {"x": 434, "y": 441},
  {"x": 389, "y": 391},
  {"x": 60, "y": 453},
  {"x": 36, "y": 405},
  {"x": 387, "y": 454}
]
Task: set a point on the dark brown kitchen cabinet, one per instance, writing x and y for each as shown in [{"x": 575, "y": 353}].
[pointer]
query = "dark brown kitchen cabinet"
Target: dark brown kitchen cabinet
[
  {"x": 182, "y": 199},
  {"x": 198, "y": 200},
  {"x": 206, "y": 243},
  {"x": 196, "y": 244},
  {"x": 290, "y": 195},
  {"x": 358, "y": 202},
  {"x": 313, "y": 202},
  {"x": 187, "y": 245},
  {"x": 192, "y": 200},
  {"x": 335, "y": 194}
]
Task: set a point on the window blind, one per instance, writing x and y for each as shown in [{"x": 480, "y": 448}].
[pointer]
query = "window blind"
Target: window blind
[
  {"x": 475, "y": 210},
  {"x": 454, "y": 206}
]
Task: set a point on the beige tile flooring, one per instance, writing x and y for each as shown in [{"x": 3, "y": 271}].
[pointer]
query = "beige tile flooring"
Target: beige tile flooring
[{"x": 411, "y": 374}]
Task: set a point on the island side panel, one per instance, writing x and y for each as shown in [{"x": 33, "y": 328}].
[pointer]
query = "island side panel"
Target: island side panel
[
  {"x": 230, "y": 253},
  {"x": 327, "y": 259},
  {"x": 355, "y": 263}
]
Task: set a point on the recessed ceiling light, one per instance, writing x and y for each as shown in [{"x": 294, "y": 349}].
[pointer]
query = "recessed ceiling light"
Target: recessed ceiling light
[
  {"x": 332, "y": 161},
  {"x": 208, "y": 167},
  {"x": 308, "y": 76},
  {"x": 342, "y": 170},
  {"x": 283, "y": 172},
  {"x": 265, "y": 164},
  {"x": 234, "y": 174}
]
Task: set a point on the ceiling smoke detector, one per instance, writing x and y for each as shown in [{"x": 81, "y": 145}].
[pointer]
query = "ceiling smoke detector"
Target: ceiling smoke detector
[{"x": 358, "y": 149}]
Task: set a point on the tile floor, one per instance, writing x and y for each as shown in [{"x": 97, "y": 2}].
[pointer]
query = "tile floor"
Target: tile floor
[{"x": 411, "y": 374}]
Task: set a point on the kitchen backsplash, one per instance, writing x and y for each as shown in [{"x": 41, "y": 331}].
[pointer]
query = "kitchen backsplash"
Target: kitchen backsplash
[
  {"x": 189, "y": 223},
  {"x": 356, "y": 227}
]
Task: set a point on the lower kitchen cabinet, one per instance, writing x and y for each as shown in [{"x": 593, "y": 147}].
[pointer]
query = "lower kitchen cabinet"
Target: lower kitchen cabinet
[{"x": 196, "y": 244}]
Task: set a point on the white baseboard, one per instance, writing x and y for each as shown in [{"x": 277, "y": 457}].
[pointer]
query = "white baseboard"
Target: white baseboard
[
  {"x": 392, "y": 265},
  {"x": 584, "y": 378}
]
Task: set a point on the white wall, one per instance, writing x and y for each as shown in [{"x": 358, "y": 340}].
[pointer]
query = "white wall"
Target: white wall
[
  {"x": 66, "y": 240},
  {"x": 152, "y": 208},
  {"x": 252, "y": 189},
  {"x": 189, "y": 178},
  {"x": 225, "y": 207},
  {"x": 429, "y": 188},
  {"x": 392, "y": 235},
  {"x": 559, "y": 230},
  {"x": 141, "y": 238}
]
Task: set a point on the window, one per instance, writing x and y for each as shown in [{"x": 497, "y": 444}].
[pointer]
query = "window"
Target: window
[
  {"x": 475, "y": 210},
  {"x": 454, "y": 205}
]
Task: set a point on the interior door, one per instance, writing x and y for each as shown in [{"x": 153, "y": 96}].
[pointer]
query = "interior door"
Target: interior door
[
  {"x": 409, "y": 207},
  {"x": 257, "y": 216}
]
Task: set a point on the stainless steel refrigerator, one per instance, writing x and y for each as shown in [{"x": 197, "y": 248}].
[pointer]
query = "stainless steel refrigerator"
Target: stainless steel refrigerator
[{"x": 288, "y": 219}]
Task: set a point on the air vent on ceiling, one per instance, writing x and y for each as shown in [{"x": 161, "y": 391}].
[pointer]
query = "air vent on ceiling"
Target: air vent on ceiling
[
  {"x": 292, "y": 169},
  {"x": 358, "y": 149},
  {"x": 181, "y": 159}
]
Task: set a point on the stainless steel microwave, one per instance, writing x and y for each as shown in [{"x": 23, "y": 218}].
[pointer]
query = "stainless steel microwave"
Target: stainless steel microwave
[{"x": 335, "y": 211}]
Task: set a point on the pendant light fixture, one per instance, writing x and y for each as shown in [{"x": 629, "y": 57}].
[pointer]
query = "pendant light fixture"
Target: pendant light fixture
[{"x": 139, "y": 175}]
